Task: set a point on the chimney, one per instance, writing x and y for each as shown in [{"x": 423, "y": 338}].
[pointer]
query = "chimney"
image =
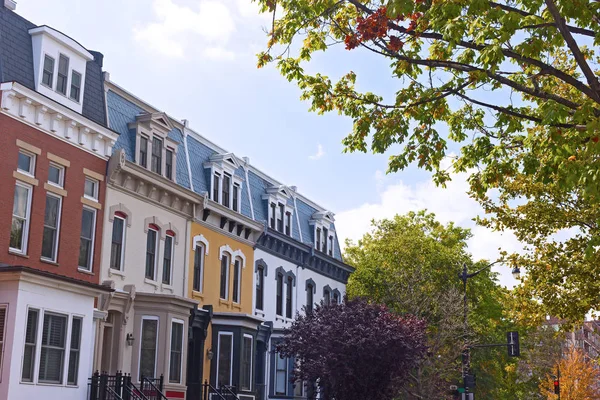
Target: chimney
[
  {"x": 246, "y": 160},
  {"x": 294, "y": 188},
  {"x": 185, "y": 123},
  {"x": 106, "y": 76},
  {"x": 10, "y": 4}
]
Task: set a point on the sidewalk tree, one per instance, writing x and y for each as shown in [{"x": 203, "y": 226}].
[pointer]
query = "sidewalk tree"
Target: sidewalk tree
[
  {"x": 510, "y": 87},
  {"x": 411, "y": 264},
  {"x": 354, "y": 350}
]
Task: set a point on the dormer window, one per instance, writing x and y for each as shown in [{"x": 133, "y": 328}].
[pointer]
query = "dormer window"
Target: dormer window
[
  {"x": 59, "y": 66},
  {"x": 157, "y": 148},
  {"x": 226, "y": 187},
  {"x": 75, "y": 86},
  {"x": 280, "y": 214},
  {"x": 152, "y": 137},
  {"x": 63, "y": 74},
  {"x": 48, "y": 74},
  {"x": 324, "y": 233}
]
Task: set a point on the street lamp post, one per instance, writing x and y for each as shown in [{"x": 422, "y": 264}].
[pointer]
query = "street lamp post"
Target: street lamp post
[{"x": 464, "y": 277}]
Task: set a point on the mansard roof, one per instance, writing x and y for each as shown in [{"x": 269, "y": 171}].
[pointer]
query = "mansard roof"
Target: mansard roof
[
  {"x": 17, "y": 62},
  {"x": 196, "y": 154}
]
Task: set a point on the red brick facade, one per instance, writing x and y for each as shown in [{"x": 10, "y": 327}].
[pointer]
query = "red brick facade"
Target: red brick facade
[{"x": 12, "y": 130}]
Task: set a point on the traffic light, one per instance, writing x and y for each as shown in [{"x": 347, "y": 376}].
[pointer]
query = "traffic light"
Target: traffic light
[
  {"x": 512, "y": 339},
  {"x": 469, "y": 381},
  {"x": 556, "y": 386}
]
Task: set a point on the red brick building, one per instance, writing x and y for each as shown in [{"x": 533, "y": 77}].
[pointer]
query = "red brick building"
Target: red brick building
[{"x": 54, "y": 147}]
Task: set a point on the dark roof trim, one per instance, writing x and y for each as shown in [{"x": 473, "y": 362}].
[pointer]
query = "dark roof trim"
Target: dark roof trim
[{"x": 46, "y": 274}]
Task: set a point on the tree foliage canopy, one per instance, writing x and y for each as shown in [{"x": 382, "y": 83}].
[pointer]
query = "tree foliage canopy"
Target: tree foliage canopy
[
  {"x": 507, "y": 88},
  {"x": 579, "y": 378},
  {"x": 354, "y": 350}
]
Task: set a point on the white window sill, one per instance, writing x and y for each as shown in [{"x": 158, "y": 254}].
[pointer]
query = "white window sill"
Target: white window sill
[
  {"x": 164, "y": 286},
  {"x": 259, "y": 313},
  {"x": 18, "y": 253},
  {"x": 48, "y": 261},
  {"x": 151, "y": 282},
  {"x": 85, "y": 271},
  {"x": 117, "y": 272}
]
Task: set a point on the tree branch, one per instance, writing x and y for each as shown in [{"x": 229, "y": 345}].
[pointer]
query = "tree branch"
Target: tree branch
[{"x": 572, "y": 44}]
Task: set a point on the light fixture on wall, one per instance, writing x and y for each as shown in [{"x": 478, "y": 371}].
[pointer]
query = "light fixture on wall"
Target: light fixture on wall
[
  {"x": 209, "y": 354},
  {"x": 129, "y": 339}
]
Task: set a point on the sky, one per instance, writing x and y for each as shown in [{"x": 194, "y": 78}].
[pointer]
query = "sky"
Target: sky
[{"x": 196, "y": 60}]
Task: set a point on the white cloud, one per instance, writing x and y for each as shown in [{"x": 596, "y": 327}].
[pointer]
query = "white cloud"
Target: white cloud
[
  {"x": 449, "y": 204},
  {"x": 178, "y": 28},
  {"x": 219, "y": 53},
  {"x": 320, "y": 153}
]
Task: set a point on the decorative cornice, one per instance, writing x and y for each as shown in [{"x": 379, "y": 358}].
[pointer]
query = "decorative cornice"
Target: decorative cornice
[
  {"x": 139, "y": 182},
  {"x": 56, "y": 120}
]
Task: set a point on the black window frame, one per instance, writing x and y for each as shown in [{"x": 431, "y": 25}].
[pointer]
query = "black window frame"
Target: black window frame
[
  {"x": 288, "y": 297},
  {"x": 279, "y": 294},
  {"x": 198, "y": 268}
]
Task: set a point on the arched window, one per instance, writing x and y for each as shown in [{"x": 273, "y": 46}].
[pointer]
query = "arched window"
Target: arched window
[
  {"x": 198, "y": 267},
  {"x": 225, "y": 257},
  {"x": 168, "y": 258},
  {"x": 288, "y": 298},
  {"x": 260, "y": 287},
  {"x": 117, "y": 246},
  {"x": 327, "y": 295},
  {"x": 151, "y": 251},
  {"x": 237, "y": 279}
]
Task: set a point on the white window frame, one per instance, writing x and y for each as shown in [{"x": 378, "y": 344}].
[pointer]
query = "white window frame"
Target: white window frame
[
  {"x": 61, "y": 175},
  {"x": 239, "y": 199},
  {"x": 31, "y": 171},
  {"x": 251, "y": 358},
  {"x": 233, "y": 181},
  {"x": 182, "y": 323},
  {"x": 149, "y": 318},
  {"x": 25, "y": 239},
  {"x": 34, "y": 372},
  {"x": 229, "y": 258},
  {"x": 156, "y": 253},
  {"x": 123, "y": 237},
  {"x": 70, "y": 87},
  {"x": 3, "y": 336},
  {"x": 67, "y": 79},
  {"x": 39, "y": 346},
  {"x": 96, "y": 183},
  {"x": 172, "y": 259},
  {"x": 219, "y": 176},
  {"x": 239, "y": 279},
  {"x": 230, "y": 356},
  {"x": 58, "y": 220},
  {"x": 91, "y": 260},
  {"x": 68, "y": 349},
  {"x": 54, "y": 66}
]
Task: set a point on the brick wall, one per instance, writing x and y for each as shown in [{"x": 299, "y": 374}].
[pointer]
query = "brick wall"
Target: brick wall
[{"x": 70, "y": 223}]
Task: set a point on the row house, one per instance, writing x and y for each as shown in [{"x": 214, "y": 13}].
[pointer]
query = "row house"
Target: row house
[
  {"x": 55, "y": 146},
  {"x": 137, "y": 245}
]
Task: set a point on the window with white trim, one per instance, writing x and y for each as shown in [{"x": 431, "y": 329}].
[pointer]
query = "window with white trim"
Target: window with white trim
[
  {"x": 224, "y": 290},
  {"x": 117, "y": 242},
  {"x": 168, "y": 259},
  {"x": 90, "y": 189},
  {"x": 48, "y": 72},
  {"x": 225, "y": 359},
  {"x": 74, "y": 351},
  {"x": 237, "y": 279},
  {"x": 56, "y": 175},
  {"x": 143, "y": 157},
  {"x": 156, "y": 161},
  {"x": 226, "y": 190},
  {"x": 2, "y": 335},
  {"x": 21, "y": 216},
  {"x": 86, "y": 239},
  {"x": 176, "y": 354},
  {"x": 246, "y": 370},
  {"x": 151, "y": 252},
  {"x": 148, "y": 347},
  {"x": 26, "y": 163},
  {"x": 75, "y": 86},
  {"x": 198, "y": 268},
  {"x": 52, "y": 354},
  {"x": 30, "y": 345},
  {"x": 63, "y": 74},
  {"x": 51, "y": 227}
]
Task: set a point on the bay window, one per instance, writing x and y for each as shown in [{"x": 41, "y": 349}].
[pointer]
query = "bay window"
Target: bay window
[
  {"x": 148, "y": 347},
  {"x": 246, "y": 370},
  {"x": 225, "y": 359},
  {"x": 176, "y": 352},
  {"x": 74, "y": 351},
  {"x": 54, "y": 332},
  {"x": 30, "y": 345}
]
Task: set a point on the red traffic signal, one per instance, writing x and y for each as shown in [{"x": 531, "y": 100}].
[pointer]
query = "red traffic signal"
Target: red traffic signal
[{"x": 556, "y": 386}]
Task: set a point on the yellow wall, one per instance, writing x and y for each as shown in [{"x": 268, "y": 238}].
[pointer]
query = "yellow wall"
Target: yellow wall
[{"x": 212, "y": 272}]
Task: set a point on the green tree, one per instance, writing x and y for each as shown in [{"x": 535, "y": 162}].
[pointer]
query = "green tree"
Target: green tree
[
  {"x": 411, "y": 264},
  {"x": 509, "y": 85}
]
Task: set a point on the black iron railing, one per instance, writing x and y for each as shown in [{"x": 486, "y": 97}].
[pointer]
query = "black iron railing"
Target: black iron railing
[
  {"x": 103, "y": 386},
  {"x": 209, "y": 392}
]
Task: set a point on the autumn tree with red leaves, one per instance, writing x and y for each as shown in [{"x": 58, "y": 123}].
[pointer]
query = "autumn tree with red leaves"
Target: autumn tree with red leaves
[{"x": 354, "y": 350}]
